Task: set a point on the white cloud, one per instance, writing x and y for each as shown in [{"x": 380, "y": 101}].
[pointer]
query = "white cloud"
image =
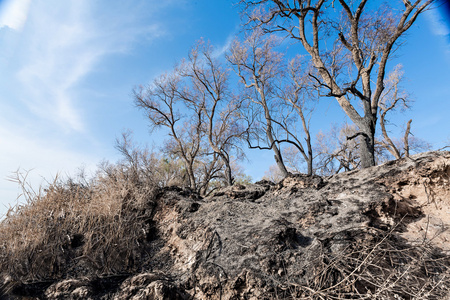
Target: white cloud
[
  {"x": 43, "y": 120},
  {"x": 219, "y": 51},
  {"x": 62, "y": 43},
  {"x": 14, "y": 13},
  {"x": 438, "y": 24},
  {"x": 62, "y": 49}
]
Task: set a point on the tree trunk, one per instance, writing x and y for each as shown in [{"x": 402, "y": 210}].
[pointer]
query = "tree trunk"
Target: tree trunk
[
  {"x": 367, "y": 148},
  {"x": 309, "y": 161},
  {"x": 279, "y": 160},
  {"x": 192, "y": 183},
  {"x": 278, "y": 157},
  {"x": 228, "y": 176},
  {"x": 406, "y": 138}
]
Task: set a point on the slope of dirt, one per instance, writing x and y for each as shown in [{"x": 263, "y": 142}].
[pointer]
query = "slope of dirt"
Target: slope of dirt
[{"x": 377, "y": 233}]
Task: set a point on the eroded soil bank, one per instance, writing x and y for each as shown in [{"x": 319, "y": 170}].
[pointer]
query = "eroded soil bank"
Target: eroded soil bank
[{"x": 377, "y": 233}]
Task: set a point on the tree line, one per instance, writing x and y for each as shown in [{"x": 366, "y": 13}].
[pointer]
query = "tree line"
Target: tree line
[{"x": 213, "y": 106}]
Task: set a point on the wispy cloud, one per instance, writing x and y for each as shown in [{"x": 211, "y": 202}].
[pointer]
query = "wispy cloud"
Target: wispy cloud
[
  {"x": 221, "y": 50},
  {"x": 49, "y": 50},
  {"x": 14, "y": 13},
  {"x": 438, "y": 24},
  {"x": 62, "y": 43},
  {"x": 439, "y": 27}
]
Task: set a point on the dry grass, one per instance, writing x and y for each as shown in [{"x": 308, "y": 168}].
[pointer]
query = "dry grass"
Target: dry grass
[{"x": 78, "y": 228}]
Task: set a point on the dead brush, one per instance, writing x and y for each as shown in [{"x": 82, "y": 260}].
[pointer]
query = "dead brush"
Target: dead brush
[
  {"x": 78, "y": 228},
  {"x": 382, "y": 267}
]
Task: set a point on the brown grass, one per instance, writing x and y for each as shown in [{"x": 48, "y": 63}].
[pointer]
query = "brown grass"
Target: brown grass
[{"x": 78, "y": 228}]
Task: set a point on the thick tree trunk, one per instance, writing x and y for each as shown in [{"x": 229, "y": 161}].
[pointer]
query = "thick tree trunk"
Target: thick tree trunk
[
  {"x": 367, "y": 145},
  {"x": 228, "y": 176},
  {"x": 191, "y": 175},
  {"x": 228, "y": 171},
  {"x": 279, "y": 160},
  {"x": 309, "y": 161},
  {"x": 367, "y": 153}
]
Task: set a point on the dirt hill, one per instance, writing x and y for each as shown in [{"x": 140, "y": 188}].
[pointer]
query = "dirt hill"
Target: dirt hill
[{"x": 377, "y": 233}]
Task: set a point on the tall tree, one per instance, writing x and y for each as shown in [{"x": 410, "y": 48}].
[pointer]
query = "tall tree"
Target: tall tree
[
  {"x": 277, "y": 95},
  {"x": 258, "y": 67},
  {"x": 159, "y": 101},
  {"x": 298, "y": 96},
  {"x": 208, "y": 90},
  {"x": 195, "y": 104},
  {"x": 350, "y": 43}
]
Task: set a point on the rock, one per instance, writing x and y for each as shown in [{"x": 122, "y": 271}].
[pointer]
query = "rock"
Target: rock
[
  {"x": 69, "y": 289},
  {"x": 147, "y": 286}
]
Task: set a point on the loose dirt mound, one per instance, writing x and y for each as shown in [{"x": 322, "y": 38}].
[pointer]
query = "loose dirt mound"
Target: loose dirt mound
[{"x": 377, "y": 233}]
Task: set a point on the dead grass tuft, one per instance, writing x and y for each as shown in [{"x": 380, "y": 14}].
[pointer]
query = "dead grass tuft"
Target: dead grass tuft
[{"x": 77, "y": 228}]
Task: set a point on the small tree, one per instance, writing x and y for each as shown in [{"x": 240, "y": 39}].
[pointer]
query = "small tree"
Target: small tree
[
  {"x": 337, "y": 150},
  {"x": 273, "y": 174},
  {"x": 145, "y": 165}
]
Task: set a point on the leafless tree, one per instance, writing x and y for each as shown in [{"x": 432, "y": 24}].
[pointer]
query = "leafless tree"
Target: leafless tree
[
  {"x": 276, "y": 94},
  {"x": 195, "y": 104},
  {"x": 273, "y": 174},
  {"x": 350, "y": 43},
  {"x": 336, "y": 150},
  {"x": 258, "y": 66},
  {"x": 395, "y": 98},
  {"x": 298, "y": 97},
  {"x": 145, "y": 165},
  {"x": 208, "y": 91},
  {"x": 161, "y": 101}
]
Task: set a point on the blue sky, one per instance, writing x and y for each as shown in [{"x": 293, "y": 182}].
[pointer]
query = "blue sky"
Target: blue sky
[{"x": 67, "y": 70}]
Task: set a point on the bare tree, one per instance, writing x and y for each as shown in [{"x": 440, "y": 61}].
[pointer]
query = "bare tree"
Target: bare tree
[
  {"x": 273, "y": 174},
  {"x": 297, "y": 94},
  {"x": 209, "y": 91},
  {"x": 277, "y": 97},
  {"x": 395, "y": 98},
  {"x": 145, "y": 165},
  {"x": 195, "y": 104},
  {"x": 337, "y": 150},
  {"x": 349, "y": 44},
  {"x": 159, "y": 101},
  {"x": 258, "y": 66}
]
